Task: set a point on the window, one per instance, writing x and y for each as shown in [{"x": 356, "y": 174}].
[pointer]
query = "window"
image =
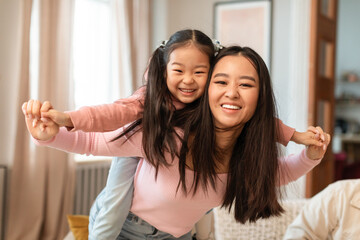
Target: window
[
  {"x": 94, "y": 74},
  {"x": 94, "y": 63}
]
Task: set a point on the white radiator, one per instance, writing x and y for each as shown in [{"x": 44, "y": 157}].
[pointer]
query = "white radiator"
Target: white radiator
[
  {"x": 3, "y": 183},
  {"x": 90, "y": 180}
]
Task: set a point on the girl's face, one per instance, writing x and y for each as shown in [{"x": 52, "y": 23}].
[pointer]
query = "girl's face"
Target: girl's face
[
  {"x": 233, "y": 91},
  {"x": 186, "y": 73}
]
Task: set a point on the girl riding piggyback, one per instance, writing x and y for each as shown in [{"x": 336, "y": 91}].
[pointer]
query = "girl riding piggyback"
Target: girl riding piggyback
[{"x": 176, "y": 78}]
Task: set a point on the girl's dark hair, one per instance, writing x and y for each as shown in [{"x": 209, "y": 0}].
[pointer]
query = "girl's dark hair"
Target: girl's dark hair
[
  {"x": 157, "y": 122},
  {"x": 253, "y": 167}
]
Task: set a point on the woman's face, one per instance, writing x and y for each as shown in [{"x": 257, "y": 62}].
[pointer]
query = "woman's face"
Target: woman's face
[
  {"x": 187, "y": 72},
  {"x": 233, "y": 91}
]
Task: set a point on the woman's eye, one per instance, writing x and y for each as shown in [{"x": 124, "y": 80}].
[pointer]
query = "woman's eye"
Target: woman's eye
[
  {"x": 199, "y": 72},
  {"x": 220, "y": 82},
  {"x": 245, "y": 85}
]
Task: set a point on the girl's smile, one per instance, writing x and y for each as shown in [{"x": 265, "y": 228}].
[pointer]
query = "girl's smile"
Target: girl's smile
[{"x": 186, "y": 73}]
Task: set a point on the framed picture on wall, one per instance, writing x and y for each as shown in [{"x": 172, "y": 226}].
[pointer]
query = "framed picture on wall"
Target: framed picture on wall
[{"x": 245, "y": 23}]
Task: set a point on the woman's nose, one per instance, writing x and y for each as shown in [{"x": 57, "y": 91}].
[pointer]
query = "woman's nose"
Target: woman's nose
[{"x": 232, "y": 92}]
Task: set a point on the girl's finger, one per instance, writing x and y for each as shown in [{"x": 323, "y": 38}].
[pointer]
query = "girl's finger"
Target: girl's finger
[
  {"x": 46, "y": 106},
  {"x": 313, "y": 129}
]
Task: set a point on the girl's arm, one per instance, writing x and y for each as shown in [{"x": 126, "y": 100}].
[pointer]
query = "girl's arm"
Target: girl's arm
[
  {"x": 294, "y": 166},
  {"x": 287, "y": 134},
  {"x": 101, "y": 118},
  {"x": 100, "y": 144}
]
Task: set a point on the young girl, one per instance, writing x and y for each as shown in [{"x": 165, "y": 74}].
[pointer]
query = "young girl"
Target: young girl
[
  {"x": 185, "y": 61},
  {"x": 237, "y": 115}
]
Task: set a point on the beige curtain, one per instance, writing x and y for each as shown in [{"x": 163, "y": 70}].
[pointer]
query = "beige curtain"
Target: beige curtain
[
  {"x": 133, "y": 22},
  {"x": 42, "y": 179}
]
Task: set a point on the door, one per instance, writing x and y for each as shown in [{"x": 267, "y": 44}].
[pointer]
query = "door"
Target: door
[{"x": 322, "y": 85}]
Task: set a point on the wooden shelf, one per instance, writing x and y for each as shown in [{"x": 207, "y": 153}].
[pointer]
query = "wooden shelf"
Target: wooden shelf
[{"x": 344, "y": 101}]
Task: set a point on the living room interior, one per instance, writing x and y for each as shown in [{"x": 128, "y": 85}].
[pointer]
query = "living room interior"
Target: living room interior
[{"x": 289, "y": 67}]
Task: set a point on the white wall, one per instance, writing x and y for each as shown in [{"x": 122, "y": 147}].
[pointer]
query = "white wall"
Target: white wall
[
  {"x": 9, "y": 65},
  {"x": 181, "y": 14}
]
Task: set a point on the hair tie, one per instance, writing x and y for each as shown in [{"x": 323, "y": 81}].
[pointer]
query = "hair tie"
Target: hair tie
[
  {"x": 217, "y": 46},
  {"x": 163, "y": 43}
]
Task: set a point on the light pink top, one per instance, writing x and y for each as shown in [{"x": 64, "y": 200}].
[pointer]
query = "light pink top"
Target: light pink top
[
  {"x": 157, "y": 201},
  {"x": 109, "y": 117}
]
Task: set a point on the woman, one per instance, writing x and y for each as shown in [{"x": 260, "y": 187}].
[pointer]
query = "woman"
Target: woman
[{"x": 234, "y": 124}]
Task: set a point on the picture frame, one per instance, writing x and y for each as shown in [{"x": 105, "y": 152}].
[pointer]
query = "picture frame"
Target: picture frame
[{"x": 245, "y": 23}]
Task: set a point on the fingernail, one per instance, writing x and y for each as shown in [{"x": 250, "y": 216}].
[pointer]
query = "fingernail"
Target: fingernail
[
  {"x": 44, "y": 119},
  {"x": 324, "y": 147},
  {"x": 322, "y": 137},
  {"x": 34, "y": 123}
]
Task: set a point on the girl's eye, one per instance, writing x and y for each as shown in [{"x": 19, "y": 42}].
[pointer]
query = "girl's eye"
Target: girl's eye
[
  {"x": 199, "y": 72},
  {"x": 178, "y": 70}
]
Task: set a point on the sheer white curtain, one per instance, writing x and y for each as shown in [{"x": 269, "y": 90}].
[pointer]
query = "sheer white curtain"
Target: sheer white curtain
[{"x": 42, "y": 179}]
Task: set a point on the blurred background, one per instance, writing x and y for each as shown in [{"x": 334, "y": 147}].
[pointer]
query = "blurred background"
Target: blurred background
[{"x": 87, "y": 52}]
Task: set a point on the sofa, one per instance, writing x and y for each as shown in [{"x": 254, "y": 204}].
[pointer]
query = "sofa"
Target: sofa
[{"x": 226, "y": 228}]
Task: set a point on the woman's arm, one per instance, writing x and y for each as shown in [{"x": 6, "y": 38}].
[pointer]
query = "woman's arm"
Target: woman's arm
[
  {"x": 97, "y": 144},
  {"x": 294, "y": 166}
]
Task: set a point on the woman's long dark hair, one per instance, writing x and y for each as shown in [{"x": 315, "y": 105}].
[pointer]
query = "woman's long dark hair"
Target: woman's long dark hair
[
  {"x": 158, "y": 119},
  {"x": 253, "y": 168}
]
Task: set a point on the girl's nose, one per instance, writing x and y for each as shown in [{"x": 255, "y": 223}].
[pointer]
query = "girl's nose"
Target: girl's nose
[{"x": 188, "y": 79}]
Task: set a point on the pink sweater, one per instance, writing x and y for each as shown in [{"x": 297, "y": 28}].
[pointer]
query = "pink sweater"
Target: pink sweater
[
  {"x": 157, "y": 201},
  {"x": 109, "y": 117}
]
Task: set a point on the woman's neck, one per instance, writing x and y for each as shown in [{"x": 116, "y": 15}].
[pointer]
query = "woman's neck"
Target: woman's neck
[{"x": 226, "y": 139}]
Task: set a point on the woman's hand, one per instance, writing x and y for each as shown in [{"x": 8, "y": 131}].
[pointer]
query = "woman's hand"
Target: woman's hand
[
  {"x": 40, "y": 128},
  {"x": 317, "y": 151}
]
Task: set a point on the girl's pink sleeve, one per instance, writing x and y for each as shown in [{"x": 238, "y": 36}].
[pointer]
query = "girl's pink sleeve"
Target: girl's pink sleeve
[
  {"x": 97, "y": 144},
  {"x": 285, "y": 133},
  {"x": 109, "y": 117},
  {"x": 294, "y": 166}
]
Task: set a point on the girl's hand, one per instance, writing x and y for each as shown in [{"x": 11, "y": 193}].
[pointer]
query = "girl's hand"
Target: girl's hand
[
  {"x": 307, "y": 138},
  {"x": 60, "y": 118},
  {"x": 314, "y": 151},
  {"x": 39, "y": 129},
  {"x": 45, "y": 111}
]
